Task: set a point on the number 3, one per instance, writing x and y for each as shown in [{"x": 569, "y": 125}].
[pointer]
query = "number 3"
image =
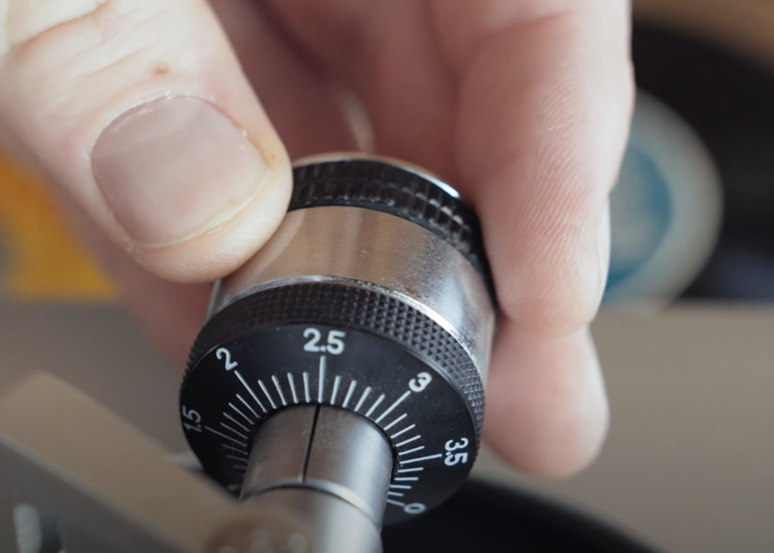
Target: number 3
[
  {"x": 451, "y": 446},
  {"x": 421, "y": 382}
]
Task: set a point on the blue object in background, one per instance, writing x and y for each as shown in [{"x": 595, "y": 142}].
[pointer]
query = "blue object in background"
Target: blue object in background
[
  {"x": 665, "y": 210},
  {"x": 642, "y": 214}
]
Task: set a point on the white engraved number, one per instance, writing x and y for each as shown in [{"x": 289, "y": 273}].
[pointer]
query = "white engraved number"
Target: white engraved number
[
  {"x": 451, "y": 446},
  {"x": 421, "y": 382},
  {"x": 335, "y": 342},
  {"x": 224, "y": 354},
  {"x": 315, "y": 336},
  {"x": 334, "y": 346},
  {"x": 452, "y": 458},
  {"x": 194, "y": 417},
  {"x": 414, "y": 509}
]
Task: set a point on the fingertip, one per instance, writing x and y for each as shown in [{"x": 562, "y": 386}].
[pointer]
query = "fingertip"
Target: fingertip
[
  {"x": 553, "y": 293},
  {"x": 221, "y": 250},
  {"x": 547, "y": 411},
  {"x": 152, "y": 128}
]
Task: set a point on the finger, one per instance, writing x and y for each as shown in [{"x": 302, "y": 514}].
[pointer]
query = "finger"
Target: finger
[
  {"x": 306, "y": 113},
  {"x": 382, "y": 43},
  {"x": 387, "y": 53},
  {"x": 544, "y": 104},
  {"x": 140, "y": 110},
  {"x": 547, "y": 411},
  {"x": 303, "y": 104}
]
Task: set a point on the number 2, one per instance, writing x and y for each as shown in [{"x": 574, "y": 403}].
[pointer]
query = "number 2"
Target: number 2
[
  {"x": 223, "y": 353},
  {"x": 315, "y": 336}
]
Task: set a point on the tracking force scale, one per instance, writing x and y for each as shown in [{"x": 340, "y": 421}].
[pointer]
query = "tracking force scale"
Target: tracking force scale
[{"x": 340, "y": 374}]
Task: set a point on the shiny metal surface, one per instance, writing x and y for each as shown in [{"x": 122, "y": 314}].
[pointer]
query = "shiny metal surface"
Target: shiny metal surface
[
  {"x": 351, "y": 453},
  {"x": 328, "y": 450},
  {"x": 332, "y": 525},
  {"x": 370, "y": 248},
  {"x": 279, "y": 451}
]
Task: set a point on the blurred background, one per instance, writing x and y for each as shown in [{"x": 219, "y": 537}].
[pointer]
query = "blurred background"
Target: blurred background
[{"x": 685, "y": 336}]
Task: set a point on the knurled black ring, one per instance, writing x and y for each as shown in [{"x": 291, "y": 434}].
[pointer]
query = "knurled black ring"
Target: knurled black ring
[
  {"x": 382, "y": 186},
  {"x": 351, "y": 307}
]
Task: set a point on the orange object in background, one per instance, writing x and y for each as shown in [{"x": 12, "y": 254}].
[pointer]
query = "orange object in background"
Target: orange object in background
[{"x": 40, "y": 258}]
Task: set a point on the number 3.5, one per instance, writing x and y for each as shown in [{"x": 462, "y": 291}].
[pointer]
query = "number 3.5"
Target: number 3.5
[{"x": 452, "y": 458}]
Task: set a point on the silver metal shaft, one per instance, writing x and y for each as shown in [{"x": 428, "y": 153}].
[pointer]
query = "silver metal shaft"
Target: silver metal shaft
[{"x": 330, "y": 470}]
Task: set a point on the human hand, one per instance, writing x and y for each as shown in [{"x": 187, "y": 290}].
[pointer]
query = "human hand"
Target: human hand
[{"x": 172, "y": 172}]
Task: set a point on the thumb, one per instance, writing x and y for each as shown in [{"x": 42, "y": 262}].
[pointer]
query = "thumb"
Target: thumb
[{"x": 139, "y": 109}]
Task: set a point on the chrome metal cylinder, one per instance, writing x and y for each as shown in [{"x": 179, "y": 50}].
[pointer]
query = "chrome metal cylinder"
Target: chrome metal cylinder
[
  {"x": 328, "y": 467},
  {"x": 372, "y": 249}
]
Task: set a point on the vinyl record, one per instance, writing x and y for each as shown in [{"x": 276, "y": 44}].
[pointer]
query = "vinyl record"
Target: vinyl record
[
  {"x": 484, "y": 518},
  {"x": 724, "y": 95}
]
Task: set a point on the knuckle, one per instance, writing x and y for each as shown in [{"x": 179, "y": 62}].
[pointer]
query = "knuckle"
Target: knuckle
[{"x": 25, "y": 20}]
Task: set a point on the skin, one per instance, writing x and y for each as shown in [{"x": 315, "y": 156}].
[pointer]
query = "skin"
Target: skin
[{"x": 523, "y": 105}]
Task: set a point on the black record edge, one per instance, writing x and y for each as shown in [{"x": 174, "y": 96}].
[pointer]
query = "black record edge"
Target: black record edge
[{"x": 486, "y": 518}]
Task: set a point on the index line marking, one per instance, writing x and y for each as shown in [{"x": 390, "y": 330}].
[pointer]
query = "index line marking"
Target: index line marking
[
  {"x": 366, "y": 392},
  {"x": 222, "y": 435},
  {"x": 235, "y": 408},
  {"x": 249, "y": 389},
  {"x": 414, "y": 450},
  {"x": 393, "y": 406},
  {"x": 336, "y": 383},
  {"x": 239, "y": 424},
  {"x": 279, "y": 389},
  {"x": 396, "y": 421},
  {"x": 237, "y": 432},
  {"x": 240, "y": 398},
  {"x": 349, "y": 393},
  {"x": 409, "y": 427},
  {"x": 420, "y": 459},
  {"x": 404, "y": 442},
  {"x": 233, "y": 447},
  {"x": 292, "y": 387},
  {"x": 306, "y": 387},
  {"x": 267, "y": 394},
  {"x": 321, "y": 380},
  {"x": 375, "y": 405}
]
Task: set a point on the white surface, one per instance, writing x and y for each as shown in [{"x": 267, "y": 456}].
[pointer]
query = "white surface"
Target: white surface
[{"x": 689, "y": 466}]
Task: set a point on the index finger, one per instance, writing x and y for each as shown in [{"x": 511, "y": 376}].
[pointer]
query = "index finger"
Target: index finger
[{"x": 544, "y": 105}]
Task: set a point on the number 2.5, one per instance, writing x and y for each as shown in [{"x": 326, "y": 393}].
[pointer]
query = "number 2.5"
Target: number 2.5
[{"x": 334, "y": 345}]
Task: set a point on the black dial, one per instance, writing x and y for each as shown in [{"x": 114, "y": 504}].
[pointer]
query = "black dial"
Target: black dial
[{"x": 373, "y": 298}]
